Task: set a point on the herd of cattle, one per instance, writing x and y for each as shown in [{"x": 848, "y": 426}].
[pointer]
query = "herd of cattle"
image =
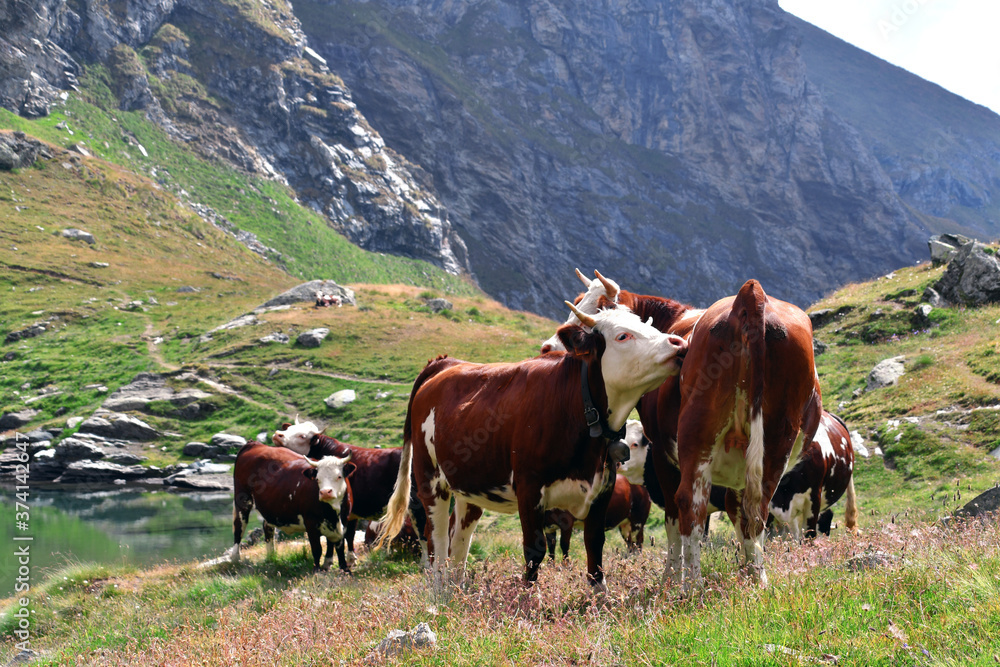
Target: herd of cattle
[{"x": 730, "y": 420}]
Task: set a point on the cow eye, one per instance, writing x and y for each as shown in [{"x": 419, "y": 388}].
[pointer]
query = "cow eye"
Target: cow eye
[{"x": 623, "y": 337}]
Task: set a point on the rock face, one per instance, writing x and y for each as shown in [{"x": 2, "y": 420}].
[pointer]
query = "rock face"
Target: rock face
[
  {"x": 973, "y": 276},
  {"x": 560, "y": 132},
  {"x": 18, "y": 151}
]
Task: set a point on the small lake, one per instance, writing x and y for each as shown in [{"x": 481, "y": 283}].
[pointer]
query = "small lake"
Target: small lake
[{"x": 115, "y": 525}]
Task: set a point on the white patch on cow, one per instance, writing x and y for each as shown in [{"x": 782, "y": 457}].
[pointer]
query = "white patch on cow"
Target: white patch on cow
[
  {"x": 506, "y": 505},
  {"x": 672, "y": 567},
  {"x": 797, "y": 514},
  {"x": 574, "y": 495},
  {"x": 702, "y": 487},
  {"x": 462, "y": 538},
  {"x": 823, "y": 438},
  {"x": 634, "y": 468},
  {"x": 755, "y": 456},
  {"x": 331, "y": 480},
  {"x": 427, "y": 428}
]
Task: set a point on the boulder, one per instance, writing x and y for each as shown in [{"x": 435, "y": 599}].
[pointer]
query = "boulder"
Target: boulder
[
  {"x": 125, "y": 459},
  {"x": 306, "y": 293},
  {"x": 38, "y": 435},
  {"x": 241, "y": 321},
  {"x": 73, "y": 422},
  {"x": 972, "y": 277},
  {"x": 276, "y": 338},
  {"x": 944, "y": 247},
  {"x": 398, "y": 642},
  {"x": 78, "y": 235},
  {"x": 921, "y": 316},
  {"x": 125, "y": 403},
  {"x": 341, "y": 398},
  {"x": 819, "y": 347},
  {"x": 988, "y": 501},
  {"x": 46, "y": 466},
  {"x": 225, "y": 441},
  {"x": 858, "y": 444},
  {"x": 313, "y": 337},
  {"x": 75, "y": 449},
  {"x": 886, "y": 373},
  {"x": 98, "y": 472},
  {"x": 214, "y": 483},
  {"x": 931, "y": 296},
  {"x": 186, "y": 289},
  {"x": 437, "y": 305},
  {"x": 16, "y": 420},
  {"x": 199, "y": 449},
  {"x": 32, "y": 331},
  {"x": 119, "y": 427}
]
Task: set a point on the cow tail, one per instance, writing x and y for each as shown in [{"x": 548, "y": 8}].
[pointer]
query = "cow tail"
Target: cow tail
[
  {"x": 749, "y": 309},
  {"x": 395, "y": 511},
  {"x": 851, "y": 510}
]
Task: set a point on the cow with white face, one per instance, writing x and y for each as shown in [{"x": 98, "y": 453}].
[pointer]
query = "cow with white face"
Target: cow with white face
[
  {"x": 596, "y": 289},
  {"x": 634, "y": 468},
  {"x": 520, "y": 437},
  {"x": 295, "y": 494}
]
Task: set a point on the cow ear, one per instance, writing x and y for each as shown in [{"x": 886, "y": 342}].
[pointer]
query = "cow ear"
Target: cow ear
[
  {"x": 310, "y": 472},
  {"x": 578, "y": 342},
  {"x": 284, "y": 427},
  {"x": 349, "y": 469}
]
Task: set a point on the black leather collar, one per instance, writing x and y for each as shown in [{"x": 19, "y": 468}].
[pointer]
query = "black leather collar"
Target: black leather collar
[{"x": 596, "y": 420}]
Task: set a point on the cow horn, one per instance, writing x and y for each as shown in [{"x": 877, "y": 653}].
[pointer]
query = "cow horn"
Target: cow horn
[
  {"x": 347, "y": 458},
  {"x": 296, "y": 418},
  {"x": 610, "y": 286},
  {"x": 586, "y": 319},
  {"x": 314, "y": 464},
  {"x": 583, "y": 278}
]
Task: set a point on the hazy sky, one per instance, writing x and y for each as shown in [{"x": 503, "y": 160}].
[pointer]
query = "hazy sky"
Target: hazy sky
[{"x": 953, "y": 43}]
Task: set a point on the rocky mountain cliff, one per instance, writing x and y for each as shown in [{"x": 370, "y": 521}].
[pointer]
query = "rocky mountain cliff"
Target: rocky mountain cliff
[
  {"x": 236, "y": 79},
  {"x": 941, "y": 151},
  {"x": 681, "y": 147}
]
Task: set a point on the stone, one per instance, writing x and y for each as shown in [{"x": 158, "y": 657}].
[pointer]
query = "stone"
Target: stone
[
  {"x": 75, "y": 449},
  {"x": 921, "y": 316},
  {"x": 16, "y": 420},
  {"x": 944, "y": 247},
  {"x": 858, "y": 444},
  {"x": 341, "y": 398},
  {"x": 225, "y": 441},
  {"x": 819, "y": 347},
  {"x": 199, "y": 449},
  {"x": 306, "y": 293},
  {"x": 400, "y": 641},
  {"x": 78, "y": 235},
  {"x": 98, "y": 472},
  {"x": 972, "y": 277},
  {"x": 437, "y": 305},
  {"x": 931, "y": 297},
  {"x": 45, "y": 465},
  {"x": 30, "y": 332},
  {"x": 187, "y": 289},
  {"x": 241, "y": 321},
  {"x": 125, "y": 403},
  {"x": 313, "y": 337},
  {"x": 73, "y": 422},
  {"x": 886, "y": 373},
  {"x": 99, "y": 265},
  {"x": 988, "y": 501},
  {"x": 216, "y": 483},
  {"x": 276, "y": 338},
  {"x": 125, "y": 459},
  {"x": 870, "y": 561},
  {"x": 38, "y": 435},
  {"x": 119, "y": 426}
]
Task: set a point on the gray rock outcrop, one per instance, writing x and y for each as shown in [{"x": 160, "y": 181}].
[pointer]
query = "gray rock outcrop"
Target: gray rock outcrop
[
  {"x": 886, "y": 373},
  {"x": 306, "y": 293},
  {"x": 18, "y": 151},
  {"x": 98, "y": 472},
  {"x": 79, "y": 235},
  {"x": 437, "y": 305},
  {"x": 76, "y": 449},
  {"x": 16, "y": 420},
  {"x": 313, "y": 337},
  {"x": 944, "y": 247},
  {"x": 226, "y": 441},
  {"x": 29, "y": 332},
  {"x": 119, "y": 427},
  {"x": 988, "y": 501},
  {"x": 972, "y": 277}
]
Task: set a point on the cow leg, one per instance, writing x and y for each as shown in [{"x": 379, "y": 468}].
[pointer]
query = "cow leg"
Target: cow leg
[
  {"x": 825, "y": 522},
  {"x": 242, "y": 504},
  {"x": 669, "y": 479},
  {"x": 565, "y": 534},
  {"x": 312, "y": 532},
  {"x": 593, "y": 540},
  {"x": 638, "y": 535},
  {"x": 269, "y": 539},
  {"x": 692, "y": 504},
  {"x": 342, "y": 562},
  {"x": 672, "y": 569},
  {"x": 349, "y": 529},
  {"x": 418, "y": 517},
  {"x": 438, "y": 510},
  {"x": 466, "y": 518},
  {"x": 815, "y": 505},
  {"x": 550, "y": 540},
  {"x": 532, "y": 531}
]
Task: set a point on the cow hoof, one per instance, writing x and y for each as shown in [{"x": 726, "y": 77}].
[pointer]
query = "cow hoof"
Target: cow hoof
[
  {"x": 599, "y": 588},
  {"x": 351, "y": 559}
]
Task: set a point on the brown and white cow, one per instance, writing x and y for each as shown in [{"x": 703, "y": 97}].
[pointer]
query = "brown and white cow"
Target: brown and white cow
[
  {"x": 628, "y": 511},
  {"x": 515, "y": 437},
  {"x": 823, "y": 473},
  {"x": 294, "y": 494},
  {"x": 746, "y": 399},
  {"x": 371, "y": 484}
]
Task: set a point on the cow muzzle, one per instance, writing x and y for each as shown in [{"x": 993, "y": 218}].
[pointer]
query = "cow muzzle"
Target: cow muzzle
[
  {"x": 618, "y": 452},
  {"x": 326, "y": 495}
]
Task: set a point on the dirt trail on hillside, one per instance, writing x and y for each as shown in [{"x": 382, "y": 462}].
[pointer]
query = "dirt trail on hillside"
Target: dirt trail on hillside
[{"x": 309, "y": 371}]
